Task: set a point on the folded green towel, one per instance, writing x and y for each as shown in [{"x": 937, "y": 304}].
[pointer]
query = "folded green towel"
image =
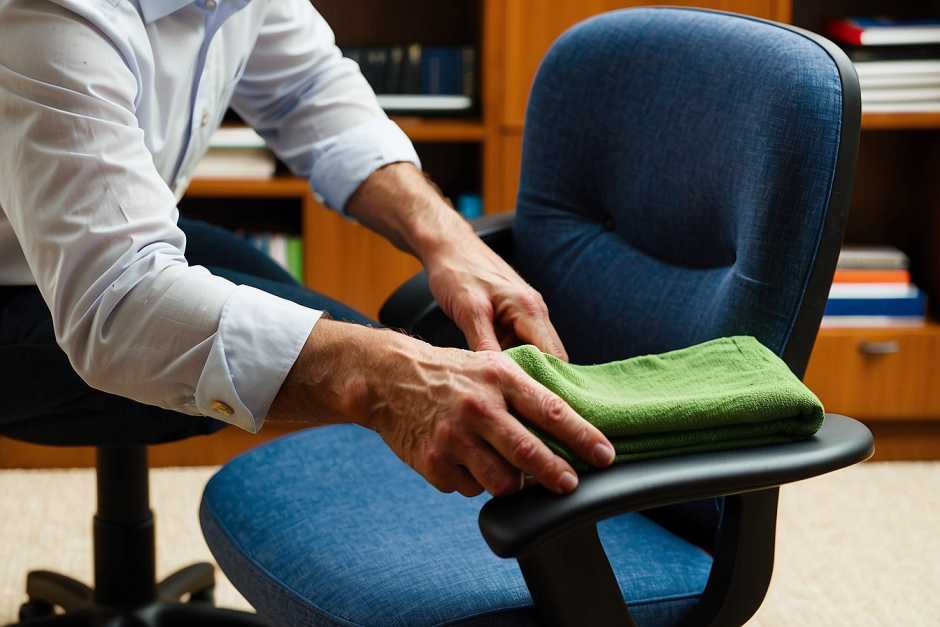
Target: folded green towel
[{"x": 727, "y": 393}]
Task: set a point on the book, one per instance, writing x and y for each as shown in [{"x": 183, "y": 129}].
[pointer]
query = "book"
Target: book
[
  {"x": 872, "y": 321},
  {"x": 277, "y": 249},
  {"x": 871, "y": 69},
  {"x": 872, "y": 276},
  {"x": 863, "y": 54},
  {"x": 883, "y": 31},
  {"x": 411, "y": 71},
  {"x": 417, "y": 69},
  {"x": 922, "y": 106},
  {"x": 871, "y": 257},
  {"x": 236, "y": 163},
  {"x": 873, "y": 290},
  {"x": 235, "y": 137},
  {"x": 393, "y": 70},
  {"x": 898, "y": 94},
  {"x": 398, "y": 103},
  {"x": 902, "y": 81},
  {"x": 373, "y": 66},
  {"x": 295, "y": 258},
  {"x": 441, "y": 71},
  {"x": 904, "y": 306}
]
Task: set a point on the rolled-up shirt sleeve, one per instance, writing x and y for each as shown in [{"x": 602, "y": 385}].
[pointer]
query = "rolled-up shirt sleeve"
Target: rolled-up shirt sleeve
[
  {"x": 313, "y": 106},
  {"x": 97, "y": 225}
]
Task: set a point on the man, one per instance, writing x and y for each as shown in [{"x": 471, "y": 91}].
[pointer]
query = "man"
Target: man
[{"x": 105, "y": 108}]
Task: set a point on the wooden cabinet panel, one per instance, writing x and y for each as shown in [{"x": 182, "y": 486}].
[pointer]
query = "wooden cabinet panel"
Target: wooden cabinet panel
[
  {"x": 878, "y": 373},
  {"x": 350, "y": 263},
  {"x": 532, "y": 25},
  {"x": 508, "y": 159}
]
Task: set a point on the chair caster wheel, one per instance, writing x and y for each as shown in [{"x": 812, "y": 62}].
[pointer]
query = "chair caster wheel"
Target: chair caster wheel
[
  {"x": 206, "y": 596},
  {"x": 32, "y": 610}
]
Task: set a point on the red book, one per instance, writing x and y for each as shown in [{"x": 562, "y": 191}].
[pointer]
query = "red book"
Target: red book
[
  {"x": 872, "y": 276},
  {"x": 858, "y": 31}
]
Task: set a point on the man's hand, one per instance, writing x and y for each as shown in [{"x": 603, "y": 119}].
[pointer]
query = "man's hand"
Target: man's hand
[
  {"x": 485, "y": 297},
  {"x": 455, "y": 416},
  {"x": 479, "y": 291},
  {"x": 448, "y": 413}
]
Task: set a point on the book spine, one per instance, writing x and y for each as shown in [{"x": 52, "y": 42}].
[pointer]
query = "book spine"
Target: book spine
[
  {"x": 845, "y": 31},
  {"x": 873, "y": 290},
  {"x": 411, "y": 72},
  {"x": 277, "y": 249},
  {"x": 295, "y": 258},
  {"x": 469, "y": 68},
  {"x": 872, "y": 276},
  {"x": 393, "y": 70},
  {"x": 441, "y": 73},
  {"x": 876, "y": 306}
]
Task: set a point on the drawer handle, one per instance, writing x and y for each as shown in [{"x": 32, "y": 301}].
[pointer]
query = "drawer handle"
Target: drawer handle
[{"x": 888, "y": 347}]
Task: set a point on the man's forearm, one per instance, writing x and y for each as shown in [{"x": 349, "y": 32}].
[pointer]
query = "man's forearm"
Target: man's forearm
[{"x": 398, "y": 202}]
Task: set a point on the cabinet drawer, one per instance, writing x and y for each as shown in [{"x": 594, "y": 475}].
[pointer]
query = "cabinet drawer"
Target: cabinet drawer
[{"x": 878, "y": 373}]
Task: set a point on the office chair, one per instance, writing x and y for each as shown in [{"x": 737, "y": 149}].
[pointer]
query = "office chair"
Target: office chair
[
  {"x": 685, "y": 175},
  {"x": 125, "y": 590}
]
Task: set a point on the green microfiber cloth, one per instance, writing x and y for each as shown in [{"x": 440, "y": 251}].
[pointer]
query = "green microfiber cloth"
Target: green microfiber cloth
[{"x": 727, "y": 393}]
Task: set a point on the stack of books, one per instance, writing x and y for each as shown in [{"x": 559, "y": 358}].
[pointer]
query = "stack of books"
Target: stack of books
[
  {"x": 898, "y": 62},
  {"x": 236, "y": 152},
  {"x": 872, "y": 287},
  {"x": 420, "y": 79},
  {"x": 286, "y": 250}
]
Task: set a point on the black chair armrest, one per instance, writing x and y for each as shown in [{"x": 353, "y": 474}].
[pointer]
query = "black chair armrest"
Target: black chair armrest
[
  {"x": 412, "y": 306},
  {"x": 555, "y": 539},
  {"x": 514, "y": 524}
]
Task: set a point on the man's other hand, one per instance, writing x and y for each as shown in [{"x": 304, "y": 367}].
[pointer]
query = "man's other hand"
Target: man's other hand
[{"x": 485, "y": 297}]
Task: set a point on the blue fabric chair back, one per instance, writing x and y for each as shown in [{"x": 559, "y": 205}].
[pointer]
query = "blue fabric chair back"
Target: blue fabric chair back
[{"x": 678, "y": 178}]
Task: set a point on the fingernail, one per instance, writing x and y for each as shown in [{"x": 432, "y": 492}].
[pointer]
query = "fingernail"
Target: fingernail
[
  {"x": 603, "y": 454},
  {"x": 568, "y": 482}
]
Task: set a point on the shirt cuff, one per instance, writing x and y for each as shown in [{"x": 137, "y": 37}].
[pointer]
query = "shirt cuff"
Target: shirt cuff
[
  {"x": 342, "y": 162},
  {"x": 259, "y": 338}
]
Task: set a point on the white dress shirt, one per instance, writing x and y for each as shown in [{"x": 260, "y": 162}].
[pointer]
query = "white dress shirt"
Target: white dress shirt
[{"x": 106, "y": 106}]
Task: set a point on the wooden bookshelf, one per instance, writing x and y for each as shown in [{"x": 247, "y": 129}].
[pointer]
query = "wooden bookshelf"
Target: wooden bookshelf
[
  {"x": 441, "y": 130},
  {"x": 896, "y": 201},
  {"x": 900, "y": 121},
  {"x": 274, "y": 187}
]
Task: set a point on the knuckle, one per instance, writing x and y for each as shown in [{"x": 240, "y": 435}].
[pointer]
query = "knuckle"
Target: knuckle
[
  {"x": 472, "y": 407},
  {"x": 434, "y": 458},
  {"x": 532, "y": 302},
  {"x": 553, "y": 408},
  {"x": 445, "y": 434},
  {"x": 494, "y": 367},
  {"x": 523, "y": 449}
]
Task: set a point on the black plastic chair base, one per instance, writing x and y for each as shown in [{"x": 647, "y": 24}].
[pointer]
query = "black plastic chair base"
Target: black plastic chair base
[{"x": 48, "y": 590}]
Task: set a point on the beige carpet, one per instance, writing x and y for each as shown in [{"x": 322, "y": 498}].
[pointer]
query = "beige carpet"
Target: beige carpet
[{"x": 859, "y": 547}]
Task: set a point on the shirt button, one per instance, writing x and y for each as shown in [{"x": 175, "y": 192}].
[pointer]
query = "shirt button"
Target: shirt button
[
  {"x": 204, "y": 120},
  {"x": 211, "y": 4},
  {"x": 221, "y": 408}
]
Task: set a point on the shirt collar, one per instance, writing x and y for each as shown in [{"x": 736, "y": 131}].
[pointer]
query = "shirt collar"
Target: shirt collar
[{"x": 153, "y": 10}]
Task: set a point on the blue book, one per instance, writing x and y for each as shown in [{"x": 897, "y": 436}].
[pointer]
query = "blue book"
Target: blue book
[
  {"x": 442, "y": 71},
  {"x": 911, "y": 306}
]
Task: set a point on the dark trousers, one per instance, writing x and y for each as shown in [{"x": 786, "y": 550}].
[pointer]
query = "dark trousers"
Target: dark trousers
[{"x": 42, "y": 399}]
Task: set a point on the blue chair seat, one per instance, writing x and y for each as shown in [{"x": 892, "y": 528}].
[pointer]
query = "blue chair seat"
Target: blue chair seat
[{"x": 328, "y": 527}]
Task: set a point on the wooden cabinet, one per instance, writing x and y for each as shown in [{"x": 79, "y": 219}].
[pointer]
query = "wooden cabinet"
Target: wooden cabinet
[{"x": 878, "y": 374}]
